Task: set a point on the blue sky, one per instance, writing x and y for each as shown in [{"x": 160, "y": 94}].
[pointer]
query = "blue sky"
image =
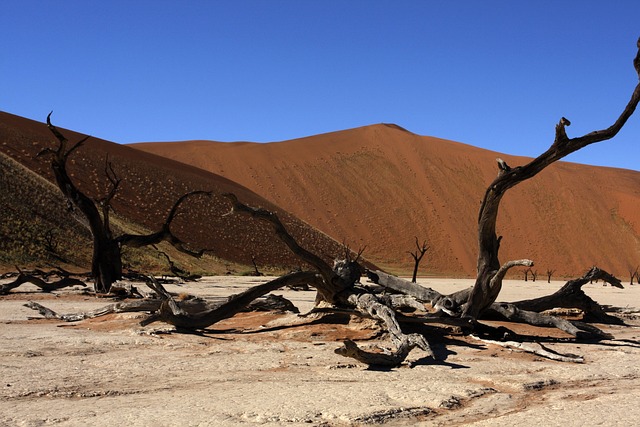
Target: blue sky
[{"x": 494, "y": 74}]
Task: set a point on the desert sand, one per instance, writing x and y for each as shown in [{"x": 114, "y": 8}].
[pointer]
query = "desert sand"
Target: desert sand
[
  {"x": 380, "y": 186},
  {"x": 248, "y": 370}
]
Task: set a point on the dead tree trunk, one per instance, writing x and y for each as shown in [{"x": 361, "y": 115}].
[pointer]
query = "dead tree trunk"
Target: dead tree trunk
[
  {"x": 482, "y": 295},
  {"x": 337, "y": 287},
  {"x": 417, "y": 256},
  {"x": 549, "y": 274},
  {"x": 106, "y": 264},
  {"x": 178, "y": 272},
  {"x": 171, "y": 311},
  {"x": 634, "y": 274},
  {"x": 256, "y": 272},
  {"x": 571, "y": 295}
]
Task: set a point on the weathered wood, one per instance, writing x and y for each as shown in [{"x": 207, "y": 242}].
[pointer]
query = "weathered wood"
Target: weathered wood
[
  {"x": 173, "y": 312},
  {"x": 22, "y": 278},
  {"x": 271, "y": 302},
  {"x": 535, "y": 348},
  {"x": 337, "y": 287},
  {"x": 579, "y": 330},
  {"x": 571, "y": 295},
  {"x": 106, "y": 264},
  {"x": 526, "y": 311},
  {"x": 119, "y": 307},
  {"x": 488, "y": 242},
  {"x": 383, "y": 358},
  {"x": 398, "y": 284},
  {"x": 403, "y": 343},
  {"x": 333, "y": 284}
]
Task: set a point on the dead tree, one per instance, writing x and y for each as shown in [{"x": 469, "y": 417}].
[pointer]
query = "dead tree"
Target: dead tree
[
  {"x": 41, "y": 280},
  {"x": 634, "y": 274},
  {"x": 486, "y": 289},
  {"x": 570, "y": 295},
  {"x": 549, "y": 274},
  {"x": 106, "y": 264},
  {"x": 337, "y": 286},
  {"x": 256, "y": 272},
  {"x": 417, "y": 256},
  {"x": 178, "y": 272},
  {"x": 534, "y": 274}
]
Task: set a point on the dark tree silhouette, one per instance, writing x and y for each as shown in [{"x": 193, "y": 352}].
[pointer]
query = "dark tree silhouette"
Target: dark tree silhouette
[
  {"x": 549, "y": 274},
  {"x": 106, "y": 264},
  {"x": 486, "y": 289},
  {"x": 417, "y": 256}
]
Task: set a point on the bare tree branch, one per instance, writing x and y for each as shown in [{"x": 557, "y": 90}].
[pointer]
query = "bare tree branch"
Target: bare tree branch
[{"x": 488, "y": 241}]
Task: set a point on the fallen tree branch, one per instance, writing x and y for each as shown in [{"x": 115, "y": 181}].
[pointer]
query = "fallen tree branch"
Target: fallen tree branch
[
  {"x": 577, "y": 329},
  {"x": 333, "y": 283},
  {"x": 570, "y": 295},
  {"x": 535, "y": 348},
  {"x": 403, "y": 343},
  {"x": 63, "y": 282},
  {"x": 174, "y": 313},
  {"x": 145, "y": 304}
]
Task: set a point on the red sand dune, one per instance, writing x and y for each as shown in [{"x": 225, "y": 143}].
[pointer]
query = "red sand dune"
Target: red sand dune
[
  {"x": 381, "y": 185},
  {"x": 150, "y": 186}
]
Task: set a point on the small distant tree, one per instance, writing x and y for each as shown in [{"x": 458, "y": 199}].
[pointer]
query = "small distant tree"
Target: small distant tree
[
  {"x": 634, "y": 274},
  {"x": 534, "y": 275},
  {"x": 549, "y": 274},
  {"x": 417, "y": 256},
  {"x": 106, "y": 264},
  {"x": 256, "y": 272}
]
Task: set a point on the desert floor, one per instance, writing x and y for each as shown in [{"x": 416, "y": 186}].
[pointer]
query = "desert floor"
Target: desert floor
[{"x": 109, "y": 371}]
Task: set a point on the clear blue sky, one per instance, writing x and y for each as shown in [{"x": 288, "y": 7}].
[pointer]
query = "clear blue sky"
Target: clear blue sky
[{"x": 494, "y": 74}]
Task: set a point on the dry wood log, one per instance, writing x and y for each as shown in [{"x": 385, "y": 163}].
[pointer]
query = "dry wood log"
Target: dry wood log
[
  {"x": 333, "y": 286},
  {"x": 193, "y": 306},
  {"x": 272, "y": 302},
  {"x": 534, "y": 348},
  {"x": 577, "y": 329},
  {"x": 22, "y": 278},
  {"x": 174, "y": 313},
  {"x": 119, "y": 307},
  {"x": 404, "y": 343},
  {"x": 421, "y": 293},
  {"x": 570, "y": 295}
]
